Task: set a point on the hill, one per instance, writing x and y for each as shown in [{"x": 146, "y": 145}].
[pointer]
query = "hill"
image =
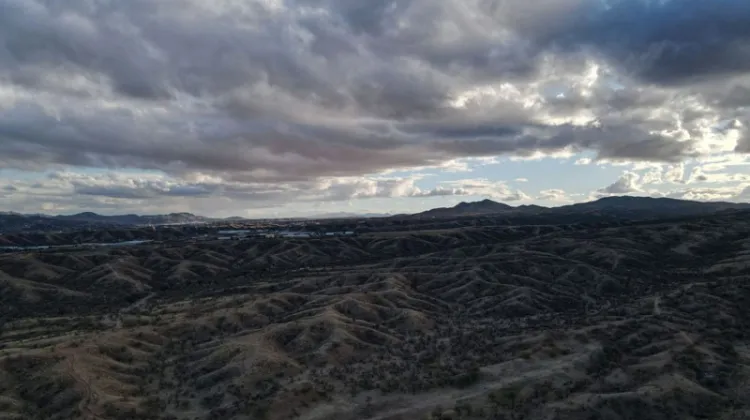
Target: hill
[
  {"x": 466, "y": 209},
  {"x": 15, "y": 222},
  {"x": 588, "y": 320},
  {"x": 654, "y": 207},
  {"x": 623, "y": 207},
  {"x": 133, "y": 219}
]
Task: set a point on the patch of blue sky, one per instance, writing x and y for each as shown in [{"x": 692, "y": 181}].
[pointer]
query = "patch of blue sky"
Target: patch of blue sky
[{"x": 540, "y": 174}]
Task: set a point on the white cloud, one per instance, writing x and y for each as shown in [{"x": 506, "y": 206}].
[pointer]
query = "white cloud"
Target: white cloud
[
  {"x": 675, "y": 174},
  {"x": 626, "y": 184},
  {"x": 486, "y": 188},
  {"x": 707, "y": 194},
  {"x": 652, "y": 176},
  {"x": 699, "y": 175},
  {"x": 555, "y": 195}
]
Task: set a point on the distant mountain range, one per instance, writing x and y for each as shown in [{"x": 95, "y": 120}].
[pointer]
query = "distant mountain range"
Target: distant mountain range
[
  {"x": 14, "y": 222},
  {"x": 620, "y": 207},
  {"x": 134, "y": 219},
  {"x": 10, "y": 221},
  {"x": 346, "y": 215}
]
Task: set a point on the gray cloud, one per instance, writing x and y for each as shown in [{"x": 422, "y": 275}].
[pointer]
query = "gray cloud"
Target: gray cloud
[
  {"x": 743, "y": 129},
  {"x": 668, "y": 42},
  {"x": 144, "y": 190},
  {"x": 278, "y": 92}
]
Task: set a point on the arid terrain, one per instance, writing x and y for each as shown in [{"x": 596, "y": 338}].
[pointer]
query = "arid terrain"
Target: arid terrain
[{"x": 643, "y": 320}]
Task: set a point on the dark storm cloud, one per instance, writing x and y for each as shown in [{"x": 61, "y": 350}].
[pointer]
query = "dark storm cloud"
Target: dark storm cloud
[
  {"x": 474, "y": 131},
  {"x": 295, "y": 90},
  {"x": 634, "y": 144},
  {"x": 619, "y": 142},
  {"x": 668, "y": 42}
]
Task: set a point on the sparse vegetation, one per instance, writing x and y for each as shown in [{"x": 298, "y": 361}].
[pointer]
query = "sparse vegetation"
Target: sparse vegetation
[{"x": 452, "y": 319}]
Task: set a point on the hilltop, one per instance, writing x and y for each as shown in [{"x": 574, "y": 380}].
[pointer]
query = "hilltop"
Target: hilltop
[{"x": 466, "y": 209}]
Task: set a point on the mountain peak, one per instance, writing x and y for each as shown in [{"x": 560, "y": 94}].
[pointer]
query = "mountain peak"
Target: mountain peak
[
  {"x": 483, "y": 203},
  {"x": 464, "y": 208}
]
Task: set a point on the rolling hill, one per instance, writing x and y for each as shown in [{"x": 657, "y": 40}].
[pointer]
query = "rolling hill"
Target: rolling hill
[{"x": 639, "y": 320}]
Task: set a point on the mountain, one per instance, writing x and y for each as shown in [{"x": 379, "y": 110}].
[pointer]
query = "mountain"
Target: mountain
[
  {"x": 619, "y": 207},
  {"x": 14, "y": 222},
  {"x": 607, "y": 208},
  {"x": 483, "y": 207},
  {"x": 134, "y": 219},
  {"x": 531, "y": 208},
  {"x": 640, "y": 207}
]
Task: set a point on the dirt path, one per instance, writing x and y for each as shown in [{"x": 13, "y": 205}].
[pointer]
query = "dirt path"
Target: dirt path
[
  {"x": 88, "y": 394},
  {"x": 135, "y": 305}
]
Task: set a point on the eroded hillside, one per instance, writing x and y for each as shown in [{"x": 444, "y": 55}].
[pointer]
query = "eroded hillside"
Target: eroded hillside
[{"x": 518, "y": 322}]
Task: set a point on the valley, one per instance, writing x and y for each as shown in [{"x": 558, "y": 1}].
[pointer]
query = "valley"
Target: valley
[{"x": 466, "y": 320}]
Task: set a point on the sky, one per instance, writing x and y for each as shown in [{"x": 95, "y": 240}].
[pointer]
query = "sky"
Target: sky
[{"x": 262, "y": 108}]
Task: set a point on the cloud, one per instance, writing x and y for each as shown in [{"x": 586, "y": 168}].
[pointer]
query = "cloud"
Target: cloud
[
  {"x": 674, "y": 42},
  {"x": 675, "y": 174},
  {"x": 709, "y": 194},
  {"x": 744, "y": 194},
  {"x": 324, "y": 83},
  {"x": 118, "y": 192},
  {"x": 359, "y": 188},
  {"x": 626, "y": 184},
  {"x": 441, "y": 192},
  {"x": 699, "y": 175},
  {"x": 484, "y": 187},
  {"x": 557, "y": 195},
  {"x": 652, "y": 176},
  {"x": 331, "y": 89}
]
